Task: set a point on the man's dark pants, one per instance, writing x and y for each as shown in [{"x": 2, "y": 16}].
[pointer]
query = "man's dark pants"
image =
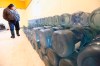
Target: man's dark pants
[{"x": 12, "y": 24}]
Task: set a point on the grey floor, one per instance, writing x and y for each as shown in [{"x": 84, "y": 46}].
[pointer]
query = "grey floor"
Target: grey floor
[{"x": 18, "y": 51}]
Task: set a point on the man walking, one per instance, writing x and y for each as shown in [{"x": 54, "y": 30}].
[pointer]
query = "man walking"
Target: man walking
[{"x": 11, "y": 15}]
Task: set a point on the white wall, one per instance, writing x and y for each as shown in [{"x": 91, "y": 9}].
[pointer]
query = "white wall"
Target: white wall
[
  {"x": 44, "y": 8},
  {"x": 1, "y": 18},
  {"x": 22, "y": 15}
]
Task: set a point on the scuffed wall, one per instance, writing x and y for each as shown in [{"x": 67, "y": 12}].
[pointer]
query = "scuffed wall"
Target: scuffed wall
[{"x": 45, "y": 8}]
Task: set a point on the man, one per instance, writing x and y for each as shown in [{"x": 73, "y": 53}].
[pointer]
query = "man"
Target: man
[{"x": 11, "y": 15}]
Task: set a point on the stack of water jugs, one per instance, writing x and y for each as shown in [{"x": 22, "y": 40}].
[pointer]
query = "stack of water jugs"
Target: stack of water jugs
[{"x": 67, "y": 40}]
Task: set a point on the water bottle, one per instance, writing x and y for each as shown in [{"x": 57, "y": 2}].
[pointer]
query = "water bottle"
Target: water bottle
[
  {"x": 49, "y": 20},
  {"x": 55, "y": 20},
  {"x": 90, "y": 55},
  {"x": 65, "y": 20},
  {"x": 79, "y": 19},
  {"x": 70, "y": 60},
  {"x": 46, "y": 37},
  {"x": 64, "y": 41},
  {"x": 94, "y": 20}
]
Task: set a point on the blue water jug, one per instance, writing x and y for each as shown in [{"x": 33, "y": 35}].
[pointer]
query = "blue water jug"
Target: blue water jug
[
  {"x": 65, "y": 20},
  {"x": 79, "y": 19},
  {"x": 90, "y": 55},
  {"x": 70, "y": 60},
  {"x": 64, "y": 41},
  {"x": 55, "y": 20},
  {"x": 50, "y": 21},
  {"x": 46, "y": 37},
  {"x": 94, "y": 20},
  {"x": 36, "y": 38}
]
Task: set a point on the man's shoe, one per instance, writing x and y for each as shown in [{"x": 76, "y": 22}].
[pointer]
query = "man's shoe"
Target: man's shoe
[
  {"x": 18, "y": 34},
  {"x": 12, "y": 36}
]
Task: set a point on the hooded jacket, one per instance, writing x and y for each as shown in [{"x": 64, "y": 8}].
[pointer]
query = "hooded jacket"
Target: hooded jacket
[{"x": 11, "y": 15}]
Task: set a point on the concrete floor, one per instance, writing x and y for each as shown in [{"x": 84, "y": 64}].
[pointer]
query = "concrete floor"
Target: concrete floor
[{"x": 18, "y": 51}]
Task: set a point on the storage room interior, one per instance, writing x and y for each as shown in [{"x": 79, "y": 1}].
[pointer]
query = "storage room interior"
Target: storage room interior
[{"x": 52, "y": 43}]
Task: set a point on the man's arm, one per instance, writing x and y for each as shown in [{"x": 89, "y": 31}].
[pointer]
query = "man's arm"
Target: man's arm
[
  {"x": 5, "y": 15},
  {"x": 18, "y": 15}
]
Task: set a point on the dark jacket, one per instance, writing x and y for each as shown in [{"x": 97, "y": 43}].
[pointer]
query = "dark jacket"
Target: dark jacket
[{"x": 11, "y": 15}]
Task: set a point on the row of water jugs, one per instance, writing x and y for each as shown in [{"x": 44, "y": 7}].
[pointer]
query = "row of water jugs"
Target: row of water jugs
[
  {"x": 67, "y": 40},
  {"x": 66, "y": 20}
]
